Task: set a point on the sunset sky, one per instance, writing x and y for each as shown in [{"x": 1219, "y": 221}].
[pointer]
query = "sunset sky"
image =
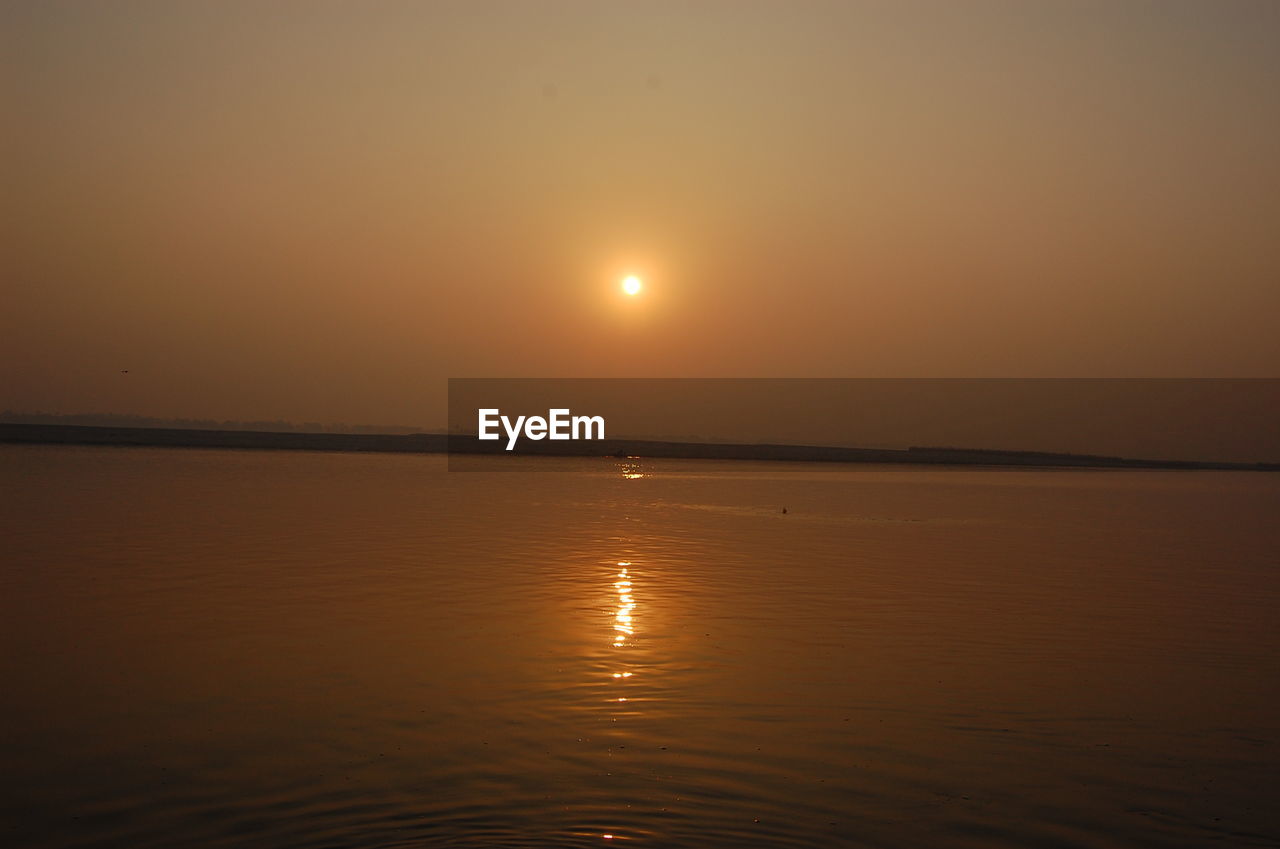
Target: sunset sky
[{"x": 321, "y": 211}]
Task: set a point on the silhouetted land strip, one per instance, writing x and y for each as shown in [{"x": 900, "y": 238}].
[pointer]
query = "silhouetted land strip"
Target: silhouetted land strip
[{"x": 436, "y": 443}]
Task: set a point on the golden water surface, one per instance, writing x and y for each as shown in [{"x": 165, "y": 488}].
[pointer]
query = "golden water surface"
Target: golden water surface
[{"x": 277, "y": 649}]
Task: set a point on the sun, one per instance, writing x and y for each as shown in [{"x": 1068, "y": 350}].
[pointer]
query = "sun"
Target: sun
[{"x": 632, "y": 285}]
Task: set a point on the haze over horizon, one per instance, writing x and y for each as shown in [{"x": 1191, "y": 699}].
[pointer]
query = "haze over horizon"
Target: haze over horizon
[{"x": 322, "y": 211}]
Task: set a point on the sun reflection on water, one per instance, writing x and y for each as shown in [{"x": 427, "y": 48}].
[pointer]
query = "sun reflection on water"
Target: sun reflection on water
[
  {"x": 630, "y": 469},
  {"x": 624, "y": 632},
  {"x": 623, "y": 618}
]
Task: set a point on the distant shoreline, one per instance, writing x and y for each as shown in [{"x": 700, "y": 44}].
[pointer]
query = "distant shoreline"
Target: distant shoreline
[{"x": 438, "y": 443}]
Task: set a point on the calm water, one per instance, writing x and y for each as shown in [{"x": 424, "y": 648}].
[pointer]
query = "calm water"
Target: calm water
[{"x": 220, "y": 648}]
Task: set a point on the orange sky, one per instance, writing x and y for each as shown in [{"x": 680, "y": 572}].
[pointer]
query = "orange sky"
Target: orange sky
[{"x": 320, "y": 211}]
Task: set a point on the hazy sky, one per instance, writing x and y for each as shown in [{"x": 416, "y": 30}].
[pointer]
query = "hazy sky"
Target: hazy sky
[{"x": 320, "y": 211}]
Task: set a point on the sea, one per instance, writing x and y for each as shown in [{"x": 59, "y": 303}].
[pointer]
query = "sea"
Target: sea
[{"x": 296, "y": 650}]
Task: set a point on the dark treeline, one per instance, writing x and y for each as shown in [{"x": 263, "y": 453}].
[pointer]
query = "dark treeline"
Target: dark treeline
[
  {"x": 132, "y": 421},
  {"x": 458, "y": 444}
]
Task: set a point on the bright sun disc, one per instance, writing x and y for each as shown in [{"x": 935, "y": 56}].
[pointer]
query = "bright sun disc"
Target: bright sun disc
[{"x": 632, "y": 285}]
